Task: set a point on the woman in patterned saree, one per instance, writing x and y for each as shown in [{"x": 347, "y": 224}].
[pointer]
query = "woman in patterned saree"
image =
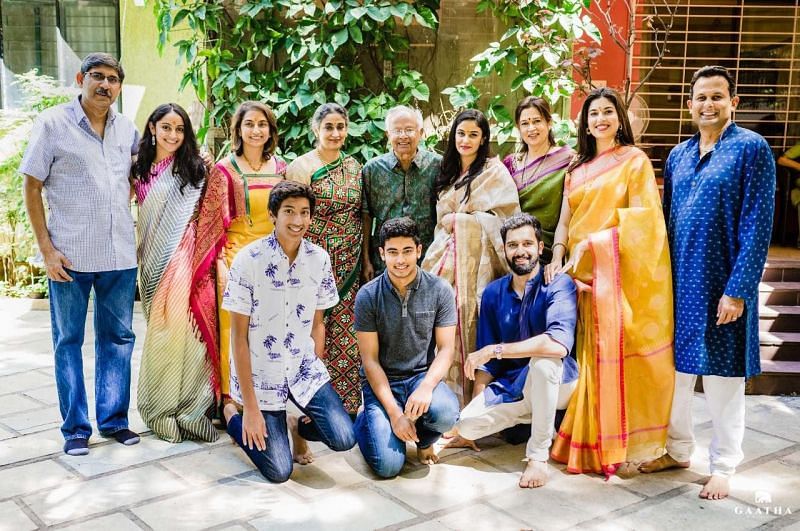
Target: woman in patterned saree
[
  {"x": 538, "y": 169},
  {"x": 475, "y": 194},
  {"x": 246, "y": 176},
  {"x": 613, "y": 227},
  {"x": 336, "y": 227},
  {"x": 176, "y": 377}
]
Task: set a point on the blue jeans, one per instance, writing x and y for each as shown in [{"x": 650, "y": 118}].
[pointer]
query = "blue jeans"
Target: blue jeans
[
  {"x": 383, "y": 450},
  {"x": 114, "y": 292},
  {"x": 330, "y": 424}
]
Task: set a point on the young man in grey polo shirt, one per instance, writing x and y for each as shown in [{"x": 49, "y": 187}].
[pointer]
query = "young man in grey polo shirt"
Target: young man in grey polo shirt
[{"x": 405, "y": 323}]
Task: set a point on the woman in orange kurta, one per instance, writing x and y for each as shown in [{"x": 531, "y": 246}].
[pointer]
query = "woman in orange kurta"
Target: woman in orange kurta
[{"x": 612, "y": 225}]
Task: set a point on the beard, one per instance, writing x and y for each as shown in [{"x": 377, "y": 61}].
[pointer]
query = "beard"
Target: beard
[{"x": 523, "y": 269}]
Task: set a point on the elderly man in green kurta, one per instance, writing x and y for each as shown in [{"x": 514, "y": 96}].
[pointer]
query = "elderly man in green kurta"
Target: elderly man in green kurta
[{"x": 399, "y": 183}]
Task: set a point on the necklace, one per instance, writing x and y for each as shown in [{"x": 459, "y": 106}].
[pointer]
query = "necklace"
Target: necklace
[
  {"x": 322, "y": 160},
  {"x": 538, "y": 166},
  {"x": 253, "y": 166}
]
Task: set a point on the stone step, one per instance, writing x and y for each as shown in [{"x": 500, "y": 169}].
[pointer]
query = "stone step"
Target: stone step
[
  {"x": 779, "y": 318},
  {"x": 779, "y": 346},
  {"x": 776, "y": 378},
  {"x": 782, "y": 271},
  {"x": 774, "y": 293}
]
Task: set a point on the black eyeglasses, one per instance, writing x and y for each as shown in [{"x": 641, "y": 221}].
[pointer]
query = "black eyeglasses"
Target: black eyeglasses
[{"x": 97, "y": 76}]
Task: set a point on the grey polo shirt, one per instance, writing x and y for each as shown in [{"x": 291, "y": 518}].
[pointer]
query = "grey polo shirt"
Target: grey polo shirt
[
  {"x": 86, "y": 182},
  {"x": 405, "y": 327}
]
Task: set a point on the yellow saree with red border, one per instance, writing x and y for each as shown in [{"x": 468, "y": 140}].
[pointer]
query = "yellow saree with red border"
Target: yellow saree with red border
[{"x": 620, "y": 409}]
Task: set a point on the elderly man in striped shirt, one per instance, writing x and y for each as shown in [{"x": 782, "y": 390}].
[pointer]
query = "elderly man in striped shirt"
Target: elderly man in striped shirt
[{"x": 80, "y": 154}]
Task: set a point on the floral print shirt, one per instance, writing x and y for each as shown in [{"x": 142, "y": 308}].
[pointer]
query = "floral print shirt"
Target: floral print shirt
[{"x": 280, "y": 298}]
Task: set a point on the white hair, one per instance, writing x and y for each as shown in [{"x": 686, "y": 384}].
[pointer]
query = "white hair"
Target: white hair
[{"x": 397, "y": 110}]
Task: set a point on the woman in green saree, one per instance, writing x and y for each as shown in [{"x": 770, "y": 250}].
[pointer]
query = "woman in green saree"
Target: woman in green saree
[
  {"x": 336, "y": 227},
  {"x": 538, "y": 168}
]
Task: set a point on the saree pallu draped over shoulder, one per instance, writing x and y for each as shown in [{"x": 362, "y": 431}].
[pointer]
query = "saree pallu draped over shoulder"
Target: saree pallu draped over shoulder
[
  {"x": 620, "y": 410},
  {"x": 178, "y": 377},
  {"x": 472, "y": 254}
]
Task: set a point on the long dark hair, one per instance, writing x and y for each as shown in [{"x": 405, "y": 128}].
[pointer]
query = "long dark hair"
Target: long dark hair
[
  {"x": 188, "y": 167},
  {"x": 587, "y": 145},
  {"x": 541, "y": 105},
  {"x": 451, "y": 162}
]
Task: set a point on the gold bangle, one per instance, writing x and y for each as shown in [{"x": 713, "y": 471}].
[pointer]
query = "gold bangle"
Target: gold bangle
[{"x": 564, "y": 245}]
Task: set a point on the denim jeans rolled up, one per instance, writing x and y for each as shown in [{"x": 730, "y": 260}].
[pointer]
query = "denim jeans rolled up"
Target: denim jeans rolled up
[
  {"x": 114, "y": 292},
  {"x": 382, "y": 449},
  {"x": 329, "y": 424}
]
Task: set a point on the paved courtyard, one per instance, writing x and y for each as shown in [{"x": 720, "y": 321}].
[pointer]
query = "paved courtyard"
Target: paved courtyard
[{"x": 158, "y": 485}]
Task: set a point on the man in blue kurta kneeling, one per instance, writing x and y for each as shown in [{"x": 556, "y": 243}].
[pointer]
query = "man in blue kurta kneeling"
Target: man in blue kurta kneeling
[
  {"x": 526, "y": 331},
  {"x": 719, "y": 189}
]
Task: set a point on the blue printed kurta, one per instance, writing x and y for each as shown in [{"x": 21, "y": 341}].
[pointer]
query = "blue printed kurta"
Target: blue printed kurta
[{"x": 719, "y": 217}]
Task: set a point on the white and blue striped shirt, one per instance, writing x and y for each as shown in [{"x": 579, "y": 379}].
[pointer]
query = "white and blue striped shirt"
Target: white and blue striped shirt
[{"x": 86, "y": 185}]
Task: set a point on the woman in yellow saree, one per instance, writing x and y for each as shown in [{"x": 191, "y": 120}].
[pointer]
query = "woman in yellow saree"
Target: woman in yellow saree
[
  {"x": 475, "y": 194},
  {"x": 246, "y": 177},
  {"x": 613, "y": 227}
]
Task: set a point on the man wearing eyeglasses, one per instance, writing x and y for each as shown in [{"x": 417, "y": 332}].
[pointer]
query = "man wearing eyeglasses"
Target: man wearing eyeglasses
[
  {"x": 399, "y": 183},
  {"x": 80, "y": 153}
]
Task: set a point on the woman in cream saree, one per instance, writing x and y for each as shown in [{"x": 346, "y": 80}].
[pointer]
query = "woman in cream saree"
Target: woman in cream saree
[
  {"x": 475, "y": 195},
  {"x": 619, "y": 259}
]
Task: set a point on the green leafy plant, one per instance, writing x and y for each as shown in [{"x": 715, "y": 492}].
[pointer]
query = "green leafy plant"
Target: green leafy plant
[
  {"x": 297, "y": 54},
  {"x": 17, "y": 246},
  {"x": 537, "y": 50}
]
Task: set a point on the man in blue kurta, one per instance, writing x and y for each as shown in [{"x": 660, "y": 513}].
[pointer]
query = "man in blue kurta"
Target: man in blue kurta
[
  {"x": 526, "y": 331},
  {"x": 719, "y": 189}
]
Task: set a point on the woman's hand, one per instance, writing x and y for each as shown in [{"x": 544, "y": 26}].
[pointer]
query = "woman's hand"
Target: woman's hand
[{"x": 575, "y": 257}]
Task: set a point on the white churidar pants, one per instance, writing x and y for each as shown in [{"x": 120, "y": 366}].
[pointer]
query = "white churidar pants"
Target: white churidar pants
[
  {"x": 543, "y": 394},
  {"x": 725, "y": 400}
]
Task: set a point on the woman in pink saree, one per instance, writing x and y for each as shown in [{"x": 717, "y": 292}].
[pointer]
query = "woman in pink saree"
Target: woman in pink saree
[{"x": 177, "y": 377}]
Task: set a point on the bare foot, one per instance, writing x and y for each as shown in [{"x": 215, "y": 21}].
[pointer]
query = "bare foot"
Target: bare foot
[
  {"x": 427, "y": 456},
  {"x": 229, "y": 410},
  {"x": 716, "y": 488},
  {"x": 535, "y": 475},
  {"x": 665, "y": 462},
  {"x": 460, "y": 442},
  {"x": 450, "y": 434},
  {"x": 301, "y": 452}
]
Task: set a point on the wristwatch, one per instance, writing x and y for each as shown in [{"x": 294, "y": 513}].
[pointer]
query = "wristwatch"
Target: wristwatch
[{"x": 498, "y": 351}]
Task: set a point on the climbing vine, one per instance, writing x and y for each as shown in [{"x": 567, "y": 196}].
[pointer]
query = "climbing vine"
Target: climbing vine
[{"x": 297, "y": 54}]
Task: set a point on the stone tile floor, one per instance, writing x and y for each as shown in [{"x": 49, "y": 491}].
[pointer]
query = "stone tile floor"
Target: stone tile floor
[{"x": 158, "y": 485}]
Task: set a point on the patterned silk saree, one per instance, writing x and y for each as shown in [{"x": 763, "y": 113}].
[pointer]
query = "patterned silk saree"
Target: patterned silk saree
[{"x": 336, "y": 227}]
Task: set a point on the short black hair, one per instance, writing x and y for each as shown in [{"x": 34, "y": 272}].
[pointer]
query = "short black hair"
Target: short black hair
[
  {"x": 713, "y": 71},
  {"x": 286, "y": 189},
  {"x": 102, "y": 59},
  {"x": 404, "y": 227},
  {"x": 521, "y": 220}
]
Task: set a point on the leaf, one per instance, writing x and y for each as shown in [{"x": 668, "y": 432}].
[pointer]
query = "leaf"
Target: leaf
[
  {"x": 339, "y": 38},
  {"x": 421, "y": 92},
  {"x": 334, "y": 71},
  {"x": 244, "y": 75},
  {"x": 378, "y": 14},
  {"x": 355, "y": 34},
  {"x": 314, "y": 74},
  {"x": 341, "y": 98}
]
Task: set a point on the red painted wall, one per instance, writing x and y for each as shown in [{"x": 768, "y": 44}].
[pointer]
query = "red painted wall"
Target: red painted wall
[{"x": 608, "y": 68}]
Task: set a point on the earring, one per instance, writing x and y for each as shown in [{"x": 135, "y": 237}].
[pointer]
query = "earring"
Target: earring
[{"x": 153, "y": 140}]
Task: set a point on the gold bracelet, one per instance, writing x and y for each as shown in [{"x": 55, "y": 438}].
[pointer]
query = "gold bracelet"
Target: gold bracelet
[{"x": 564, "y": 245}]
